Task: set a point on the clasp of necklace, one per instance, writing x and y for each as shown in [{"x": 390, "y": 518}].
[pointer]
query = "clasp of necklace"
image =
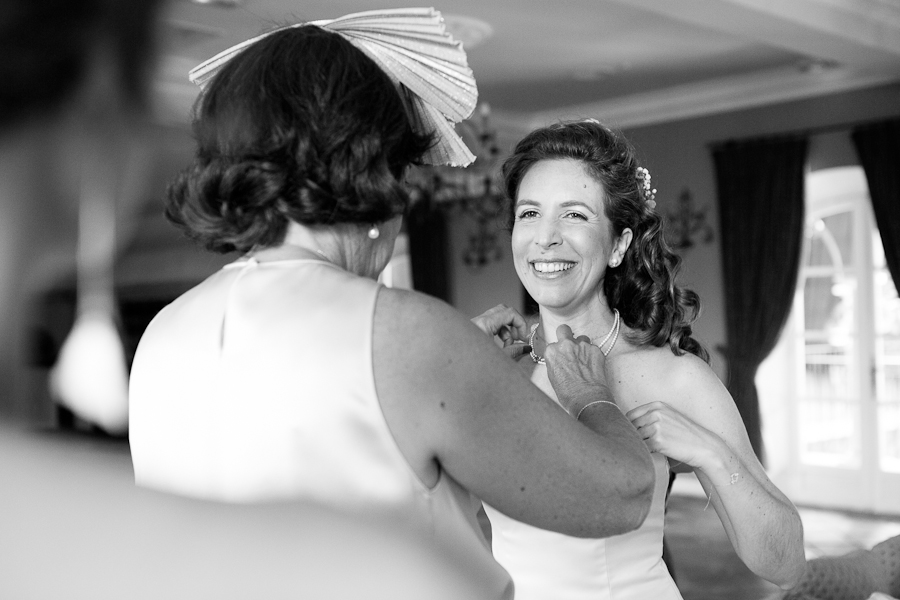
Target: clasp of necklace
[{"x": 613, "y": 333}]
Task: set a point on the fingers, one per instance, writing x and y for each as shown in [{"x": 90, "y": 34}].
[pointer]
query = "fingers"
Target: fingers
[
  {"x": 564, "y": 332},
  {"x": 643, "y": 409},
  {"x": 515, "y": 350},
  {"x": 503, "y": 321}
]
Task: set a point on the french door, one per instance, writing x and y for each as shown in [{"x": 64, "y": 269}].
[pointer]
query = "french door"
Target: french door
[{"x": 841, "y": 353}]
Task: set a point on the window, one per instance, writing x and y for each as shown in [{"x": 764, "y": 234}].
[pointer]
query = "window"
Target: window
[{"x": 841, "y": 351}]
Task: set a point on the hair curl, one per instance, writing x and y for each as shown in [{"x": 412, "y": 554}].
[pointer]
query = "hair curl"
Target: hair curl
[
  {"x": 643, "y": 287},
  {"x": 301, "y": 126}
]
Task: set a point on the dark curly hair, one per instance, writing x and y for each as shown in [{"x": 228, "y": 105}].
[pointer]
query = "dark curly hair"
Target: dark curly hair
[
  {"x": 300, "y": 126},
  {"x": 643, "y": 287}
]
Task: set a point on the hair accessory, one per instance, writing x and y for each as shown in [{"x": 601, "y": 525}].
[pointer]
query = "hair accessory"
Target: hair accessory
[
  {"x": 649, "y": 194},
  {"x": 583, "y": 408},
  {"x": 412, "y": 46},
  {"x": 374, "y": 233}
]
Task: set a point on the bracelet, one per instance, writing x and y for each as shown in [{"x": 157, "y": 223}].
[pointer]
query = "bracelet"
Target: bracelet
[
  {"x": 732, "y": 479},
  {"x": 583, "y": 408}
]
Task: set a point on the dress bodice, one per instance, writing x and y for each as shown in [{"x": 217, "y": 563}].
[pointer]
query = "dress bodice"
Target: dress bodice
[{"x": 551, "y": 566}]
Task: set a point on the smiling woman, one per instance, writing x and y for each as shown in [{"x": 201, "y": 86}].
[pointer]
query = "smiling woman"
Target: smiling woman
[
  {"x": 562, "y": 240},
  {"x": 588, "y": 247}
]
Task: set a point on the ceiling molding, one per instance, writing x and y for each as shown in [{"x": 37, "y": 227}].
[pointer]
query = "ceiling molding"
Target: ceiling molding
[
  {"x": 852, "y": 32},
  {"x": 715, "y": 96}
]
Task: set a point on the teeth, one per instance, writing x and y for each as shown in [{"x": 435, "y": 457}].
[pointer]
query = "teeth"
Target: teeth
[{"x": 553, "y": 267}]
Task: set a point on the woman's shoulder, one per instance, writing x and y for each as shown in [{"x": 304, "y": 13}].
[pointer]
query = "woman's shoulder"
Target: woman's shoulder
[
  {"x": 654, "y": 358},
  {"x": 422, "y": 321},
  {"x": 655, "y": 373},
  {"x": 412, "y": 308}
]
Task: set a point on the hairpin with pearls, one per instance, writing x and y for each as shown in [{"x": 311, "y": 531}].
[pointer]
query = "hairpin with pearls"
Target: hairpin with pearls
[{"x": 647, "y": 191}]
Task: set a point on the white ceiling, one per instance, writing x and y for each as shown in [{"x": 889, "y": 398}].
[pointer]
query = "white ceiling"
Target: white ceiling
[{"x": 628, "y": 62}]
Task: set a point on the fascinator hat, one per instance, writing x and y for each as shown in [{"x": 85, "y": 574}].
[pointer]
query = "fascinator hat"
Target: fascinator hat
[{"x": 427, "y": 66}]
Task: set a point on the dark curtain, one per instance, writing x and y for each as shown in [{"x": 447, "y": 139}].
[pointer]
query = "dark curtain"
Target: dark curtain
[
  {"x": 761, "y": 212},
  {"x": 878, "y": 146},
  {"x": 428, "y": 244}
]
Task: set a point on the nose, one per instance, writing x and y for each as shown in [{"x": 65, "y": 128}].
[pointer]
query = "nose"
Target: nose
[{"x": 547, "y": 234}]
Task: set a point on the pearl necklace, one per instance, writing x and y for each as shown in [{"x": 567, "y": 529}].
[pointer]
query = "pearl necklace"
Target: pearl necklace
[{"x": 613, "y": 332}]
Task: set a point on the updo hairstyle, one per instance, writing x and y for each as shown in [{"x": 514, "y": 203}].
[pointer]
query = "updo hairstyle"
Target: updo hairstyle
[
  {"x": 299, "y": 126},
  {"x": 643, "y": 287}
]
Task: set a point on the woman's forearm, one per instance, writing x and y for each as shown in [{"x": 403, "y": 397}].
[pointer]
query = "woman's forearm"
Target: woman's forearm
[{"x": 765, "y": 529}]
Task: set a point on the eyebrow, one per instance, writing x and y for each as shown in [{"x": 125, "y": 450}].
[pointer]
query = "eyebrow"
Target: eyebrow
[
  {"x": 567, "y": 204},
  {"x": 526, "y": 203}
]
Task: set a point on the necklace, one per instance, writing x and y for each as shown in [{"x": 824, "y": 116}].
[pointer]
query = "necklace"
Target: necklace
[
  {"x": 538, "y": 359},
  {"x": 613, "y": 333}
]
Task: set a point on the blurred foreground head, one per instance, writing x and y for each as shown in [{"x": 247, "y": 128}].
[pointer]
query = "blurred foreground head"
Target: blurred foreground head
[
  {"x": 74, "y": 79},
  {"x": 51, "y": 48}
]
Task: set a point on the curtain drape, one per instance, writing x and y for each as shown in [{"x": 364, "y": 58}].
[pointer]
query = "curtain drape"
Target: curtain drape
[
  {"x": 878, "y": 146},
  {"x": 761, "y": 212},
  {"x": 426, "y": 226}
]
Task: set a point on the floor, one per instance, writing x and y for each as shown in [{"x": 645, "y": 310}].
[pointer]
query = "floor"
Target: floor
[{"x": 707, "y": 568}]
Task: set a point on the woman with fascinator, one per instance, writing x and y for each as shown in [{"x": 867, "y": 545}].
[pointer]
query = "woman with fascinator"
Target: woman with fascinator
[
  {"x": 588, "y": 246},
  {"x": 291, "y": 373}
]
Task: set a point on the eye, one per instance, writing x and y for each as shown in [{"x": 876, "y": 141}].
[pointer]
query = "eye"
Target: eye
[
  {"x": 528, "y": 213},
  {"x": 573, "y": 215}
]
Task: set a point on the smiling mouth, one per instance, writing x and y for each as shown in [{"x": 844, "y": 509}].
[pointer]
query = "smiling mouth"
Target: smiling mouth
[{"x": 552, "y": 267}]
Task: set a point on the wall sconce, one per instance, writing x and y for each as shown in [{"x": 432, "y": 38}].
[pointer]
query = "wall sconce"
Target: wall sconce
[
  {"x": 475, "y": 191},
  {"x": 686, "y": 223}
]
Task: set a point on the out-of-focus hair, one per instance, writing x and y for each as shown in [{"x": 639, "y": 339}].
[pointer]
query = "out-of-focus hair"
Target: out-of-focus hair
[
  {"x": 643, "y": 287},
  {"x": 300, "y": 126},
  {"x": 48, "y": 47}
]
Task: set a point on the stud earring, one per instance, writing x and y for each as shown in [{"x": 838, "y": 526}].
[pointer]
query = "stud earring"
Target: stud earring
[
  {"x": 614, "y": 262},
  {"x": 374, "y": 233}
]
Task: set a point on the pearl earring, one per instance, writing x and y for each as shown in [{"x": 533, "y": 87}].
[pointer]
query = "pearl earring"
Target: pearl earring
[
  {"x": 614, "y": 262},
  {"x": 374, "y": 233}
]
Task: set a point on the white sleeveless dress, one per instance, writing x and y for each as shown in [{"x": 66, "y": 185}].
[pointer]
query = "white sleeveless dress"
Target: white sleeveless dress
[
  {"x": 551, "y": 566},
  {"x": 258, "y": 385}
]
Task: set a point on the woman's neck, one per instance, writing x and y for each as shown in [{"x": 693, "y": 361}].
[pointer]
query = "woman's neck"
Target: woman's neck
[
  {"x": 594, "y": 321},
  {"x": 341, "y": 245}
]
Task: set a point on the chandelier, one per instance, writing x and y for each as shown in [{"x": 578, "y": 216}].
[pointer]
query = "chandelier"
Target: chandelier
[{"x": 474, "y": 192}]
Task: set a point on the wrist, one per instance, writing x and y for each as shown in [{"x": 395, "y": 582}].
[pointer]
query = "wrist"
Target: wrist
[{"x": 721, "y": 467}]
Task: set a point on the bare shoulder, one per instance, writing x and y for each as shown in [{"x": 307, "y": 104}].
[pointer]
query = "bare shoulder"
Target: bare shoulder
[
  {"x": 643, "y": 374},
  {"x": 422, "y": 343},
  {"x": 409, "y": 310}
]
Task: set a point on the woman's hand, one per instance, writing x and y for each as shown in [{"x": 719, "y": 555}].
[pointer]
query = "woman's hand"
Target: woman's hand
[
  {"x": 667, "y": 431},
  {"x": 504, "y": 322},
  {"x": 576, "y": 370}
]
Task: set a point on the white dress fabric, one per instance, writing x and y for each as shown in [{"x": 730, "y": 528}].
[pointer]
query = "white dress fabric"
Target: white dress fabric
[
  {"x": 258, "y": 385},
  {"x": 551, "y": 566}
]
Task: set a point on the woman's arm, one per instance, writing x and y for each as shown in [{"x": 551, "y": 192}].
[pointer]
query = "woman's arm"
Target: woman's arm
[
  {"x": 700, "y": 425},
  {"x": 454, "y": 401}
]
